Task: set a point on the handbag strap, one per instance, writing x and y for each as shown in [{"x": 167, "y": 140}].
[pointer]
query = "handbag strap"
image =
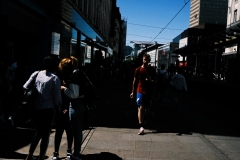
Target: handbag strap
[
  {"x": 87, "y": 79},
  {"x": 35, "y": 76},
  {"x": 34, "y": 79}
]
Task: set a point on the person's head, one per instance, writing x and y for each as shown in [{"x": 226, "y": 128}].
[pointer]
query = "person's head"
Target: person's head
[
  {"x": 67, "y": 65},
  {"x": 50, "y": 64},
  {"x": 146, "y": 59}
]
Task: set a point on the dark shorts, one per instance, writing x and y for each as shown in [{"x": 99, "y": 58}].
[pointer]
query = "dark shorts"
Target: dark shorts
[{"x": 143, "y": 100}]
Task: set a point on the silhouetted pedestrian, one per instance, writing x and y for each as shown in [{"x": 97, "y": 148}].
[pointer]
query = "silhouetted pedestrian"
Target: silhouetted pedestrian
[
  {"x": 47, "y": 99},
  {"x": 162, "y": 83},
  {"x": 179, "y": 88},
  {"x": 62, "y": 119},
  {"x": 144, "y": 77},
  {"x": 77, "y": 106}
]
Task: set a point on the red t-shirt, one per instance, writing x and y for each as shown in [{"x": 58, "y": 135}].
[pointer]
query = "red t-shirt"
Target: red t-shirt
[{"x": 144, "y": 87}]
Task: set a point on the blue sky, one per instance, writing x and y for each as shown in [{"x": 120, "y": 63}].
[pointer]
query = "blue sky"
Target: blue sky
[{"x": 147, "y": 18}]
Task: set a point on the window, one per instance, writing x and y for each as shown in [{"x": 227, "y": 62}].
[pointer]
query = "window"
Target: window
[{"x": 235, "y": 16}]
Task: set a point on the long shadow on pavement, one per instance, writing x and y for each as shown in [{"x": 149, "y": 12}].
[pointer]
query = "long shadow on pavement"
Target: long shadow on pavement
[
  {"x": 102, "y": 155},
  {"x": 13, "y": 139}
]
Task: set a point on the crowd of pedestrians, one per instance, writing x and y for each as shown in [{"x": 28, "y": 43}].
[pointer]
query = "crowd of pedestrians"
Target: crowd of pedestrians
[
  {"x": 60, "y": 96},
  {"x": 58, "y": 102},
  {"x": 48, "y": 98}
]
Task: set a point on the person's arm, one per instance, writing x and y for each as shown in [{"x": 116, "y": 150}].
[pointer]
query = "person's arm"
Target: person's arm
[
  {"x": 135, "y": 82},
  {"x": 30, "y": 81},
  {"x": 134, "y": 86},
  {"x": 72, "y": 91}
]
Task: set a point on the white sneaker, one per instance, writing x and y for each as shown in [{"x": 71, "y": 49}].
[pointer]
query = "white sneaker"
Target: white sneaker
[
  {"x": 141, "y": 131},
  {"x": 55, "y": 156},
  {"x": 69, "y": 154},
  {"x": 68, "y": 158}
]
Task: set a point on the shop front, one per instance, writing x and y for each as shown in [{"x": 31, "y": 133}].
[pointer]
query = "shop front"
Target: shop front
[{"x": 76, "y": 37}]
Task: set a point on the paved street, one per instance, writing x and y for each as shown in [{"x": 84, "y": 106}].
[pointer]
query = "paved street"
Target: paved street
[{"x": 112, "y": 134}]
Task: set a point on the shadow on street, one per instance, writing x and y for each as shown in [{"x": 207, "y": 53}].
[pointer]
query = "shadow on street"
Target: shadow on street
[
  {"x": 12, "y": 139},
  {"x": 116, "y": 110},
  {"x": 102, "y": 155}
]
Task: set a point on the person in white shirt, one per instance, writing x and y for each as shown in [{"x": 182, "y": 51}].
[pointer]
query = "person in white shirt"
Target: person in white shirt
[
  {"x": 179, "y": 84},
  {"x": 48, "y": 97}
]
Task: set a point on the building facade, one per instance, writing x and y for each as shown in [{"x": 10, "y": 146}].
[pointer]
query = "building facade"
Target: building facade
[
  {"x": 232, "y": 52},
  {"x": 84, "y": 29},
  {"x": 233, "y": 20},
  {"x": 25, "y": 31},
  {"x": 123, "y": 47},
  {"x": 165, "y": 54},
  {"x": 33, "y": 29},
  {"x": 208, "y": 11},
  {"x": 116, "y": 38}
]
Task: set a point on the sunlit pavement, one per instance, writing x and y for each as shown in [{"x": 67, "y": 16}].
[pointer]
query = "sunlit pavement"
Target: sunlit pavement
[{"x": 113, "y": 132}]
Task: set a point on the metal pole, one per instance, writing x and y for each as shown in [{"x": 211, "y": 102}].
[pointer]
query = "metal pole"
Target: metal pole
[
  {"x": 92, "y": 50},
  {"x": 156, "y": 58},
  {"x": 78, "y": 49}
]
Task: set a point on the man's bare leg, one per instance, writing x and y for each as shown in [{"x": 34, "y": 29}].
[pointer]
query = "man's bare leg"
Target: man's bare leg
[{"x": 141, "y": 114}]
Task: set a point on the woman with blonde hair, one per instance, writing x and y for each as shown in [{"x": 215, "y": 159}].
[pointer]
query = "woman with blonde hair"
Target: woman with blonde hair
[
  {"x": 68, "y": 68},
  {"x": 62, "y": 120}
]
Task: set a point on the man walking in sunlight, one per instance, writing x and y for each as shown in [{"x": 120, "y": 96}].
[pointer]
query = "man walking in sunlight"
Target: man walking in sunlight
[{"x": 144, "y": 78}]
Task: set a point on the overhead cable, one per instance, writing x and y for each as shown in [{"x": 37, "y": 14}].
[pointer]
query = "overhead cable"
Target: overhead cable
[
  {"x": 152, "y": 26},
  {"x": 171, "y": 19}
]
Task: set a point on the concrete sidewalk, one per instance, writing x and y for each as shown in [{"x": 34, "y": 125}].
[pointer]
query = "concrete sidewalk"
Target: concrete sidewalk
[
  {"x": 124, "y": 144},
  {"x": 127, "y": 145},
  {"x": 114, "y": 135}
]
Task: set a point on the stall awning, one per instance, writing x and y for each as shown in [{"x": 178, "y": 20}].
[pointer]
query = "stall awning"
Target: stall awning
[{"x": 216, "y": 40}]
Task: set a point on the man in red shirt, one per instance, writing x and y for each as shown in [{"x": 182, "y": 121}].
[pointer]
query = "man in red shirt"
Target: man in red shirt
[{"x": 144, "y": 78}]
